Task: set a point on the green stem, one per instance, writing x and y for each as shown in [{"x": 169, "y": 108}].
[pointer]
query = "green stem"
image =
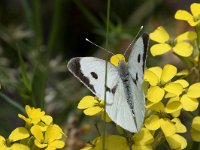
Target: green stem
[
  {"x": 54, "y": 28},
  {"x": 28, "y": 13},
  {"x": 12, "y": 102},
  {"x": 37, "y": 23},
  {"x": 158, "y": 139},
  {"x": 104, "y": 114}
]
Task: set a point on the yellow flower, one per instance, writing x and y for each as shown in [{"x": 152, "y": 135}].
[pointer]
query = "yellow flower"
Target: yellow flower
[
  {"x": 91, "y": 105},
  {"x": 194, "y": 18},
  {"x": 159, "y": 80},
  {"x": 19, "y": 133},
  {"x": 168, "y": 127},
  {"x": 36, "y": 116},
  {"x": 180, "y": 45},
  {"x": 195, "y": 129},
  {"x": 50, "y": 139}
]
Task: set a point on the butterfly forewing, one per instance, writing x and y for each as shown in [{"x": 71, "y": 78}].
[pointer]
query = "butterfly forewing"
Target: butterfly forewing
[
  {"x": 137, "y": 63},
  {"x": 91, "y": 72}
]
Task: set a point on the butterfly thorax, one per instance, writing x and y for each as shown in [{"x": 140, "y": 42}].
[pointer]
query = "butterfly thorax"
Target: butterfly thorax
[{"x": 125, "y": 77}]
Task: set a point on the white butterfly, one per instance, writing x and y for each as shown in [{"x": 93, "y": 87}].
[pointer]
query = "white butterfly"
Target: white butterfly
[{"x": 125, "y": 102}]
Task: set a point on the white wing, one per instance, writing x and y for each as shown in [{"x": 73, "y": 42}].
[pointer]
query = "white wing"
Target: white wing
[
  {"x": 136, "y": 64},
  {"x": 120, "y": 111},
  {"x": 91, "y": 72},
  {"x": 137, "y": 58}
]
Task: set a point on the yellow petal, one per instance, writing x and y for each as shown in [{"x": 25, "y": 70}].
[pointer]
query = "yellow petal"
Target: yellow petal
[
  {"x": 173, "y": 106},
  {"x": 152, "y": 122},
  {"x": 180, "y": 128},
  {"x": 189, "y": 104},
  {"x": 86, "y": 102},
  {"x": 169, "y": 71},
  {"x": 18, "y": 146},
  {"x": 40, "y": 145},
  {"x": 184, "y": 15},
  {"x": 195, "y": 134},
  {"x": 196, "y": 123},
  {"x": 187, "y": 36},
  {"x": 152, "y": 94},
  {"x": 170, "y": 95},
  {"x": 143, "y": 137},
  {"x": 193, "y": 90},
  {"x": 183, "y": 73},
  {"x": 160, "y": 35},
  {"x": 2, "y": 139},
  {"x": 53, "y": 132},
  {"x": 156, "y": 70},
  {"x": 92, "y": 110},
  {"x": 176, "y": 141},
  {"x": 47, "y": 119},
  {"x": 176, "y": 114},
  {"x": 184, "y": 83},
  {"x": 159, "y": 49},
  {"x": 150, "y": 77},
  {"x": 174, "y": 88},
  {"x": 183, "y": 49},
  {"x": 19, "y": 134},
  {"x": 37, "y": 133},
  {"x": 167, "y": 127},
  {"x": 56, "y": 144},
  {"x": 116, "y": 59},
  {"x": 195, "y": 7},
  {"x": 157, "y": 107}
]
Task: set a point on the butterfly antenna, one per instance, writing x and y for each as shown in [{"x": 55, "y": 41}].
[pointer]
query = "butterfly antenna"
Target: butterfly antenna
[
  {"x": 98, "y": 46},
  {"x": 133, "y": 41}
]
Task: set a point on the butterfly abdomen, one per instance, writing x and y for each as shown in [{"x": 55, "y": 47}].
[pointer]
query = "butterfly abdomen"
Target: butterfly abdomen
[{"x": 125, "y": 77}]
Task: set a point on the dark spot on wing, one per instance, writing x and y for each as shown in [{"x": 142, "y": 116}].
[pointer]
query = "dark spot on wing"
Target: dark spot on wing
[
  {"x": 114, "y": 89},
  {"x": 75, "y": 68},
  {"x": 138, "y": 59},
  {"x": 94, "y": 75},
  {"x": 145, "y": 38},
  {"x": 132, "y": 112},
  {"x": 136, "y": 77},
  {"x": 107, "y": 89}
]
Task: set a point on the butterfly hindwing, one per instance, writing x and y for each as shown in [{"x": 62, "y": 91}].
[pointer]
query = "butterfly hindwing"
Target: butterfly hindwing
[
  {"x": 120, "y": 111},
  {"x": 91, "y": 72}
]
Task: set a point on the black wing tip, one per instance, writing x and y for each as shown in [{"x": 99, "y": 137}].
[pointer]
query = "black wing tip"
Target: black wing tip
[
  {"x": 145, "y": 36},
  {"x": 73, "y": 63}
]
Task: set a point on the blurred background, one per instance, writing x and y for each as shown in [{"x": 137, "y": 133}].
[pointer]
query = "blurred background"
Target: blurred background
[{"x": 38, "y": 37}]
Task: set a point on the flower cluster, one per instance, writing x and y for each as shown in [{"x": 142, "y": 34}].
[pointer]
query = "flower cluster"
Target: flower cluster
[
  {"x": 170, "y": 94},
  {"x": 38, "y": 133}
]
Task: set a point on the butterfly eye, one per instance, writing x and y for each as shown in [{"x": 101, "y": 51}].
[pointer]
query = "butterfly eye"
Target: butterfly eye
[{"x": 94, "y": 75}]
